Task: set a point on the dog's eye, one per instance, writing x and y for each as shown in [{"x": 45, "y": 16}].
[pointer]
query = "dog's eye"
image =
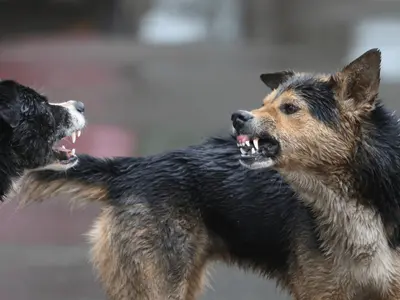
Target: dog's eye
[{"x": 289, "y": 109}]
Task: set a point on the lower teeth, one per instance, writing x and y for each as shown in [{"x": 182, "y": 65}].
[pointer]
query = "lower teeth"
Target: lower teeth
[{"x": 248, "y": 152}]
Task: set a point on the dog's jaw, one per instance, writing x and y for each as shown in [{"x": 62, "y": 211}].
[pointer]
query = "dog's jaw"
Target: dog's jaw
[
  {"x": 77, "y": 122},
  {"x": 267, "y": 163},
  {"x": 58, "y": 166}
]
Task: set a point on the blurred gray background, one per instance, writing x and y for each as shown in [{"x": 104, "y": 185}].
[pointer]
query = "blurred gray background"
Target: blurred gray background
[{"x": 156, "y": 75}]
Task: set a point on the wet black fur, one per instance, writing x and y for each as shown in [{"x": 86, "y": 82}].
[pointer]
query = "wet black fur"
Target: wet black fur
[
  {"x": 29, "y": 126},
  {"x": 252, "y": 214},
  {"x": 377, "y": 168}
]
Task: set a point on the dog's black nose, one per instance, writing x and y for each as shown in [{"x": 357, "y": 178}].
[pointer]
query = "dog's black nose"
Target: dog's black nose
[
  {"x": 240, "y": 117},
  {"x": 79, "y": 106}
]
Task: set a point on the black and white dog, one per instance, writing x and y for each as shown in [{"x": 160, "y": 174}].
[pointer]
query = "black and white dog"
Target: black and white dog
[{"x": 31, "y": 129}]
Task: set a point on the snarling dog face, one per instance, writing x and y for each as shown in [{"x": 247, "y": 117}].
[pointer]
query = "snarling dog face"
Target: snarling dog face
[
  {"x": 32, "y": 128},
  {"x": 309, "y": 120}
]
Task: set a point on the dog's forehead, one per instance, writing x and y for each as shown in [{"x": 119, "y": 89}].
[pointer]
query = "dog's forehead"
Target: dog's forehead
[
  {"x": 302, "y": 81},
  {"x": 315, "y": 91},
  {"x": 294, "y": 87},
  {"x": 28, "y": 94}
]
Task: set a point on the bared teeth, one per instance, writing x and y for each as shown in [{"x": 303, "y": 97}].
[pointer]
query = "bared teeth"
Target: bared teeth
[
  {"x": 249, "y": 147},
  {"x": 255, "y": 143},
  {"x": 73, "y": 137}
]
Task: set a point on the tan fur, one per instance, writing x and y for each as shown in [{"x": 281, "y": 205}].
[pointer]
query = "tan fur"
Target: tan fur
[
  {"x": 28, "y": 189},
  {"x": 354, "y": 239},
  {"x": 129, "y": 268},
  {"x": 301, "y": 134}
]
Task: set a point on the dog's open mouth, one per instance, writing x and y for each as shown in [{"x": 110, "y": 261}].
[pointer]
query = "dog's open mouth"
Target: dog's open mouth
[
  {"x": 64, "y": 155},
  {"x": 257, "y": 152}
]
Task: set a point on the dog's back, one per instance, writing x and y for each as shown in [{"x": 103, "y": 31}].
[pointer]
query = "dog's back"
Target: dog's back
[{"x": 166, "y": 217}]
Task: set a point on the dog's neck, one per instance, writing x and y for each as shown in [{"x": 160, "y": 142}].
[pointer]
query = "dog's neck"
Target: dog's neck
[
  {"x": 361, "y": 197},
  {"x": 345, "y": 226}
]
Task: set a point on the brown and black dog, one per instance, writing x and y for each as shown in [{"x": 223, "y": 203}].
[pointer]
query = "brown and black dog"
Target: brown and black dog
[
  {"x": 166, "y": 217},
  {"x": 332, "y": 140}
]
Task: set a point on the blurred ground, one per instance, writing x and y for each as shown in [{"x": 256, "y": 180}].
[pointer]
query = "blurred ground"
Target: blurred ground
[{"x": 62, "y": 272}]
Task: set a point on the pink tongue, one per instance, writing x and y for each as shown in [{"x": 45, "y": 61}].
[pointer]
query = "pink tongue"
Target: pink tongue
[{"x": 242, "y": 138}]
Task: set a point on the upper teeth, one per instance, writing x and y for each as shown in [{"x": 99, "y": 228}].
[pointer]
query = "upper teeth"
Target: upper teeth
[
  {"x": 74, "y": 135},
  {"x": 249, "y": 143},
  {"x": 255, "y": 143}
]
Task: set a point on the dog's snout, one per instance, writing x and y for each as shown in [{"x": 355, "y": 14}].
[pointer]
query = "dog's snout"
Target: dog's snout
[
  {"x": 240, "y": 117},
  {"x": 79, "y": 106}
]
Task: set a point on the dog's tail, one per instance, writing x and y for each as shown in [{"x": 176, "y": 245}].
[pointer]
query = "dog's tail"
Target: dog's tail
[{"x": 88, "y": 181}]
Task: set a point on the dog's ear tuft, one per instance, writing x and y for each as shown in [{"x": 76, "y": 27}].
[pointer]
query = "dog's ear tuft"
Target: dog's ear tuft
[
  {"x": 273, "y": 80},
  {"x": 359, "y": 81},
  {"x": 9, "y": 104}
]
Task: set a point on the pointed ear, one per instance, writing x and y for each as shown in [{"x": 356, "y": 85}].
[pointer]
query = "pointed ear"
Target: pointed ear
[
  {"x": 10, "y": 111},
  {"x": 273, "y": 80},
  {"x": 358, "y": 82}
]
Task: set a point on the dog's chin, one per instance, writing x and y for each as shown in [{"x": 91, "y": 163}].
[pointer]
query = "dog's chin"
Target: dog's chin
[
  {"x": 61, "y": 165},
  {"x": 254, "y": 163}
]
